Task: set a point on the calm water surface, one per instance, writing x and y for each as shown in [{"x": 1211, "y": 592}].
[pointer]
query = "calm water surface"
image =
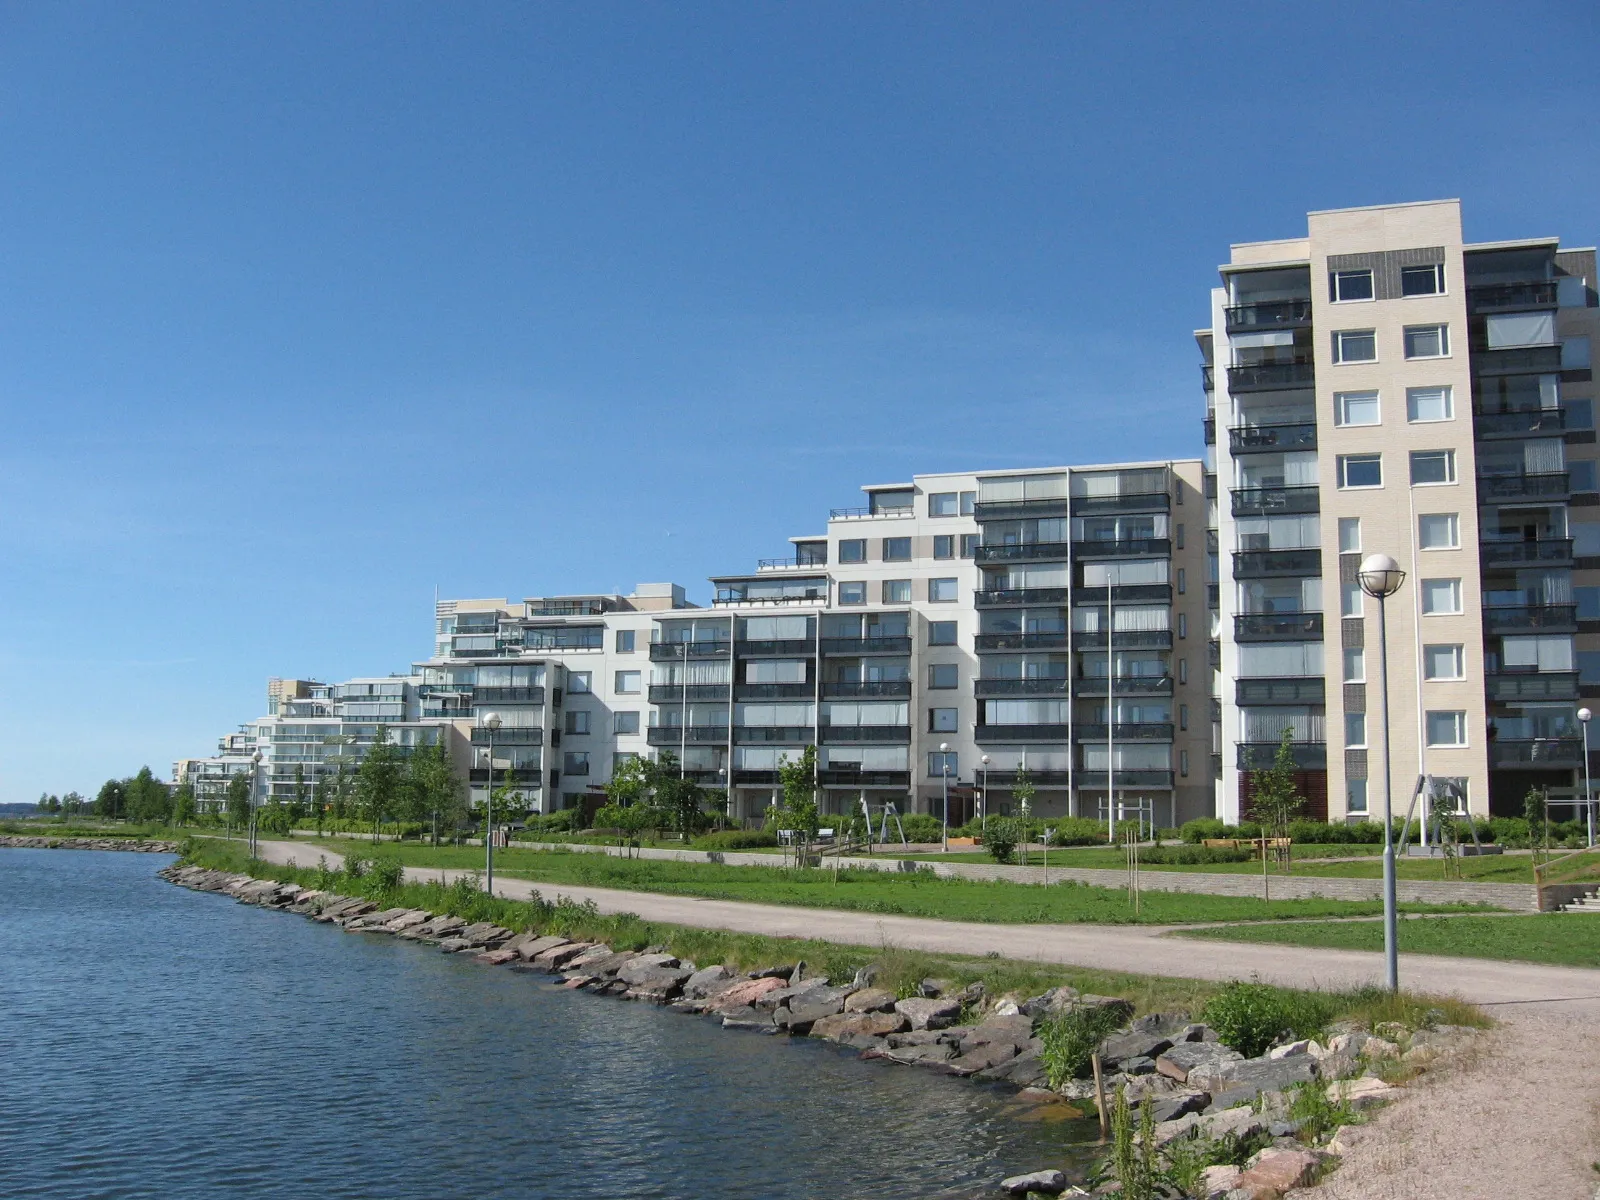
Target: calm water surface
[{"x": 161, "y": 1042}]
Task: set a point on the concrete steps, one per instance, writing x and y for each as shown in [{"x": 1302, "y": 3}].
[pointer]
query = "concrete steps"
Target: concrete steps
[{"x": 1584, "y": 904}]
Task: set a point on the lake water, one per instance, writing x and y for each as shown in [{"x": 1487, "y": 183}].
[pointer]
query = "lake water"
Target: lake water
[{"x": 161, "y": 1042}]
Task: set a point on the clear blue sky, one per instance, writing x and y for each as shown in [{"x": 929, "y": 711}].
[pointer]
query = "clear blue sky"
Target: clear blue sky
[{"x": 306, "y": 310}]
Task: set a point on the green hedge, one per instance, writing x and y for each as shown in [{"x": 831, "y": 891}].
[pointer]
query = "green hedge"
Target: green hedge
[{"x": 736, "y": 839}]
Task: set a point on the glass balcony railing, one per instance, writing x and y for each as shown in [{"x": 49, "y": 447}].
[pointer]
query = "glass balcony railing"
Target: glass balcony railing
[
  {"x": 1277, "y": 627},
  {"x": 1509, "y": 297},
  {"x": 1268, "y": 314},
  {"x": 1530, "y": 618},
  {"x": 1548, "y": 551},
  {"x": 1271, "y": 377},
  {"x": 1267, "y": 501},
  {"x": 1258, "y": 564},
  {"x": 1265, "y": 439}
]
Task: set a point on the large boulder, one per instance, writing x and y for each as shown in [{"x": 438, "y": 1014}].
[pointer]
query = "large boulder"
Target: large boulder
[
  {"x": 1122, "y": 1047},
  {"x": 1016, "y": 1030},
  {"x": 652, "y": 981},
  {"x": 1264, "y": 1074},
  {"x": 533, "y": 947},
  {"x": 1181, "y": 1059},
  {"x": 1361, "y": 1093},
  {"x": 929, "y": 1013},
  {"x": 870, "y": 999},
  {"x": 811, "y": 1006},
  {"x": 1047, "y": 1183},
  {"x": 1025, "y": 1070},
  {"x": 745, "y": 993},
  {"x": 558, "y": 957},
  {"x": 706, "y": 983},
  {"x": 748, "y": 1018},
  {"x": 982, "y": 1057},
  {"x": 592, "y": 954},
  {"x": 849, "y": 1025},
  {"x": 1279, "y": 1170}
]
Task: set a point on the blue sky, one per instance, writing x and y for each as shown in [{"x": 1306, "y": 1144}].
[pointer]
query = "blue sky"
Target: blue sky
[{"x": 306, "y": 310}]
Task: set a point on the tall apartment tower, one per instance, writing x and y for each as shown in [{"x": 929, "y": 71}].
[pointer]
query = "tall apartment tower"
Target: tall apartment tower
[{"x": 1381, "y": 386}]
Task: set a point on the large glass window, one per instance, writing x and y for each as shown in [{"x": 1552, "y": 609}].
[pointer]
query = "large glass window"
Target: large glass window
[
  {"x": 1441, "y": 597},
  {"x": 944, "y": 545},
  {"x": 943, "y": 675},
  {"x": 853, "y": 550},
  {"x": 897, "y": 591},
  {"x": 1429, "y": 404},
  {"x": 1355, "y": 346},
  {"x": 1427, "y": 341},
  {"x": 625, "y": 722},
  {"x": 943, "y": 591},
  {"x": 627, "y": 683},
  {"x": 1433, "y": 466},
  {"x": 1355, "y": 730},
  {"x": 1349, "y": 535},
  {"x": 1443, "y": 662},
  {"x": 1350, "y": 285},
  {"x": 1356, "y": 408},
  {"x": 1422, "y": 281},
  {"x": 941, "y": 633},
  {"x": 1360, "y": 470},
  {"x": 897, "y": 549},
  {"x": 853, "y": 593},
  {"x": 1447, "y": 728},
  {"x": 1439, "y": 531},
  {"x": 943, "y": 720},
  {"x": 942, "y": 504}
]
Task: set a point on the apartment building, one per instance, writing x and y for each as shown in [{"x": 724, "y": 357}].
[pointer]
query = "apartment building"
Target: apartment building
[{"x": 1380, "y": 385}]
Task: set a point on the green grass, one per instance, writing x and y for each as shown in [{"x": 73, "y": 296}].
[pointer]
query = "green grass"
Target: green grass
[
  {"x": 1567, "y": 939},
  {"x": 77, "y": 827},
  {"x": 919, "y": 894}
]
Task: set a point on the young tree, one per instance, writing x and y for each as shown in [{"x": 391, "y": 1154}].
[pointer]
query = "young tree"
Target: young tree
[
  {"x": 379, "y": 780},
  {"x": 1275, "y": 797},
  {"x": 633, "y": 779},
  {"x": 798, "y": 812},
  {"x": 146, "y": 797},
  {"x": 183, "y": 805},
  {"x": 1536, "y": 811},
  {"x": 680, "y": 796},
  {"x": 238, "y": 801},
  {"x": 301, "y": 793},
  {"x": 109, "y": 802},
  {"x": 434, "y": 790},
  {"x": 44, "y": 802},
  {"x": 1023, "y": 792},
  {"x": 320, "y": 793},
  {"x": 72, "y": 805}
]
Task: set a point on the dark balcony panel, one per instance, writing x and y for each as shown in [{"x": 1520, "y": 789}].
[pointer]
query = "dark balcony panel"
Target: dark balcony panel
[
  {"x": 505, "y": 736},
  {"x": 871, "y": 687},
  {"x": 1522, "y": 487},
  {"x": 1555, "y": 753},
  {"x": 1277, "y": 627},
  {"x": 526, "y": 776},
  {"x": 1267, "y": 439},
  {"x": 1209, "y": 429},
  {"x": 1020, "y": 687},
  {"x": 801, "y": 735},
  {"x": 1005, "y": 779},
  {"x": 1126, "y": 685},
  {"x": 1264, "y": 564},
  {"x": 678, "y": 735},
  {"x": 1025, "y": 552},
  {"x": 1120, "y": 547},
  {"x": 1511, "y": 297},
  {"x": 1208, "y": 377},
  {"x": 1126, "y": 731},
  {"x": 866, "y": 645},
  {"x": 1306, "y": 689},
  {"x": 1519, "y": 360},
  {"x": 1020, "y": 510},
  {"x": 1213, "y": 595},
  {"x": 756, "y": 777},
  {"x": 833, "y": 735},
  {"x": 1542, "y": 685},
  {"x": 1012, "y": 597},
  {"x": 1268, "y": 314},
  {"x": 1553, "y": 552},
  {"x": 1127, "y": 639},
  {"x": 669, "y": 651},
  {"x": 842, "y": 777},
  {"x": 1090, "y": 506},
  {"x": 1530, "y": 618},
  {"x": 989, "y": 735},
  {"x": 1517, "y": 423},
  {"x": 1258, "y": 756},
  {"x": 1021, "y": 641},
  {"x": 1260, "y": 502},
  {"x": 1270, "y": 377},
  {"x": 1128, "y": 593},
  {"x": 1126, "y": 777},
  {"x": 774, "y": 691},
  {"x": 783, "y": 648},
  {"x": 509, "y": 695},
  {"x": 673, "y": 693}
]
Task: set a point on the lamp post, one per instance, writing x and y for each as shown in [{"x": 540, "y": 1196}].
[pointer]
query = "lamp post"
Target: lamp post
[
  {"x": 1584, "y": 717},
  {"x": 1381, "y": 578},
  {"x": 944, "y": 767},
  {"x": 491, "y": 722},
  {"x": 255, "y": 767},
  {"x": 983, "y": 793}
]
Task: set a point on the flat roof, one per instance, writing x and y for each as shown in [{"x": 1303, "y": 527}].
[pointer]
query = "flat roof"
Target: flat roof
[
  {"x": 1324, "y": 212},
  {"x": 1513, "y": 244}
]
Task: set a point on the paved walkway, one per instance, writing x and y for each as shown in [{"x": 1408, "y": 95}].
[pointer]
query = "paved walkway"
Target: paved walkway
[{"x": 1137, "y": 949}]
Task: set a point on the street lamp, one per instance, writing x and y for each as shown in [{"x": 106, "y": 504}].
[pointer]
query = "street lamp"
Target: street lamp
[
  {"x": 1381, "y": 578},
  {"x": 1584, "y": 717},
  {"x": 983, "y": 793},
  {"x": 491, "y": 722},
  {"x": 255, "y": 767},
  {"x": 944, "y": 764}
]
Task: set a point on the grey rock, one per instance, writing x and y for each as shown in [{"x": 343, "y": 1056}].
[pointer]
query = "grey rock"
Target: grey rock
[
  {"x": 1025, "y": 1070},
  {"x": 870, "y": 999},
  {"x": 1240, "y": 1122},
  {"x": 1283, "y": 1129},
  {"x": 1138, "y": 1066},
  {"x": 1180, "y": 1060},
  {"x": 926, "y": 1013},
  {"x": 920, "y": 1037},
  {"x": 1170, "y": 1108},
  {"x": 781, "y": 971},
  {"x": 453, "y": 945},
  {"x": 1017, "y": 1030},
  {"x": 1265, "y": 1074},
  {"x": 1049, "y": 1183},
  {"x": 1121, "y": 1047},
  {"x": 704, "y": 984},
  {"x": 1232, "y": 1096},
  {"x": 811, "y": 1006},
  {"x": 930, "y": 989},
  {"x": 1050, "y": 1002},
  {"x": 581, "y": 961},
  {"x": 749, "y": 1018},
  {"x": 864, "y": 1027},
  {"x": 982, "y": 1058},
  {"x": 933, "y": 1054},
  {"x": 1196, "y": 1033},
  {"x": 528, "y": 950},
  {"x": 866, "y": 976},
  {"x": 651, "y": 981}
]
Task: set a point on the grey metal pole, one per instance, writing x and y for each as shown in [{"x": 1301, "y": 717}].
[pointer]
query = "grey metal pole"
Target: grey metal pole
[
  {"x": 1111, "y": 718},
  {"x": 488, "y": 823},
  {"x": 1391, "y": 933},
  {"x": 683, "y": 709},
  {"x": 945, "y": 762},
  {"x": 1588, "y": 788}
]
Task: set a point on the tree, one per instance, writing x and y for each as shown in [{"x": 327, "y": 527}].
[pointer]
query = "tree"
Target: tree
[
  {"x": 1535, "y": 810},
  {"x": 44, "y": 802},
  {"x": 681, "y": 797},
  {"x": 378, "y": 782},
  {"x": 798, "y": 813},
  {"x": 146, "y": 798},
  {"x": 433, "y": 788},
  {"x": 72, "y": 805},
  {"x": 1023, "y": 792},
  {"x": 1275, "y": 797},
  {"x": 238, "y": 800},
  {"x": 632, "y": 779},
  {"x": 297, "y": 801},
  {"x": 109, "y": 802},
  {"x": 184, "y": 809}
]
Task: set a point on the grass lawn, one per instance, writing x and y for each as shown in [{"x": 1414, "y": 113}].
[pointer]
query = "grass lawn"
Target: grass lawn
[
  {"x": 911, "y": 894},
  {"x": 1568, "y": 939}
]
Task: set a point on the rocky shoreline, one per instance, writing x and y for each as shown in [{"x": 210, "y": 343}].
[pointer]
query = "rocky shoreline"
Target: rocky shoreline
[
  {"x": 136, "y": 845},
  {"x": 1200, "y": 1093}
]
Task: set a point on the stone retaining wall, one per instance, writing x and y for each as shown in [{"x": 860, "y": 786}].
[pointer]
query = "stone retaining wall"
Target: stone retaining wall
[{"x": 137, "y": 845}]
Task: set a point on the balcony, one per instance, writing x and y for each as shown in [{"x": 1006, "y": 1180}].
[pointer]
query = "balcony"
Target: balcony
[
  {"x": 1525, "y": 422},
  {"x": 1021, "y": 641},
  {"x": 1268, "y": 439},
  {"x": 1554, "y": 552},
  {"x": 509, "y": 695},
  {"x": 1518, "y": 360},
  {"x": 1258, "y": 756},
  {"x": 991, "y": 734},
  {"x": 1020, "y": 510},
  {"x": 1126, "y": 777},
  {"x": 1522, "y": 487},
  {"x": 506, "y": 736},
  {"x": 755, "y": 777},
  {"x": 789, "y": 734},
  {"x": 1266, "y": 564},
  {"x": 1209, "y": 428},
  {"x": 866, "y": 645},
  {"x": 1277, "y": 627},
  {"x": 1305, "y": 689},
  {"x": 1272, "y": 501},
  {"x": 1531, "y": 685},
  {"x": 1024, "y": 552},
  {"x": 1530, "y": 618},
  {"x": 1208, "y": 377},
  {"x": 1037, "y": 778},
  {"x": 774, "y": 691},
  {"x": 673, "y": 693},
  {"x": 1050, "y": 686},
  {"x": 798, "y": 562},
  {"x": 1090, "y": 506},
  {"x": 833, "y": 735},
  {"x": 843, "y": 777},
  {"x": 1268, "y": 314},
  {"x": 1126, "y": 731},
  {"x": 782, "y": 647},
  {"x": 887, "y": 510},
  {"x": 1554, "y": 753},
  {"x": 1126, "y": 685},
  {"x": 678, "y": 735},
  {"x": 1125, "y": 639},
  {"x": 1510, "y": 297},
  {"x": 1126, "y": 593},
  {"x": 1138, "y": 547},
  {"x": 1270, "y": 377},
  {"x": 842, "y": 689},
  {"x": 672, "y": 651},
  {"x": 1011, "y": 597}
]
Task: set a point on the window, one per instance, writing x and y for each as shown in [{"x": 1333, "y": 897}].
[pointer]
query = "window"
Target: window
[
  {"x": 1427, "y": 341},
  {"x": 1588, "y": 602},
  {"x": 941, "y": 633},
  {"x": 1520, "y": 329},
  {"x": 1183, "y": 670},
  {"x": 1183, "y": 625},
  {"x": 1443, "y": 662},
  {"x": 943, "y": 720},
  {"x": 1183, "y": 581},
  {"x": 627, "y": 683},
  {"x": 942, "y": 591},
  {"x": 1422, "y": 281},
  {"x": 940, "y": 765},
  {"x": 1355, "y": 795},
  {"x": 1349, "y": 599},
  {"x": 577, "y": 720},
  {"x": 1355, "y": 345},
  {"x": 575, "y": 763},
  {"x": 1349, "y": 535},
  {"x": 969, "y": 543},
  {"x": 1429, "y": 404},
  {"x": 852, "y": 593},
  {"x": 1183, "y": 762},
  {"x": 944, "y": 545},
  {"x": 1183, "y": 716},
  {"x": 1433, "y": 466},
  {"x": 943, "y": 675},
  {"x": 1447, "y": 728},
  {"x": 1574, "y": 353},
  {"x": 897, "y": 549},
  {"x": 1177, "y": 538},
  {"x": 625, "y": 641},
  {"x": 1439, "y": 531},
  {"x": 625, "y": 722},
  {"x": 1355, "y": 667},
  {"x": 1350, "y": 285},
  {"x": 1360, "y": 470},
  {"x": 897, "y": 591},
  {"x": 1441, "y": 597},
  {"x": 942, "y": 504},
  {"x": 853, "y": 550},
  {"x": 1588, "y": 666},
  {"x": 579, "y": 682},
  {"x": 1355, "y": 730},
  {"x": 1582, "y": 477},
  {"x": 1355, "y": 408}
]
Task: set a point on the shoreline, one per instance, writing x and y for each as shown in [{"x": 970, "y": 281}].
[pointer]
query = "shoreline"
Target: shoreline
[{"x": 131, "y": 845}]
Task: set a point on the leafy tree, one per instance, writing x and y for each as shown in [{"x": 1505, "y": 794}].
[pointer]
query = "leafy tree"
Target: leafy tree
[
  {"x": 72, "y": 805},
  {"x": 184, "y": 809},
  {"x": 300, "y": 795},
  {"x": 1023, "y": 792},
  {"x": 434, "y": 789},
  {"x": 1537, "y": 813},
  {"x": 1000, "y": 838},
  {"x": 274, "y": 816},
  {"x": 238, "y": 800},
  {"x": 681, "y": 797},
  {"x": 1275, "y": 798},
  {"x": 798, "y": 812},
  {"x": 109, "y": 803},
  {"x": 379, "y": 780},
  {"x": 146, "y": 798},
  {"x": 48, "y": 803},
  {"x": 632, "y": 779}
]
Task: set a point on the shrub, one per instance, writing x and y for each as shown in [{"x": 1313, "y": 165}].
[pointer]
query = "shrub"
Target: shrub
[
  {"x": 1070, "y": 1039},
  {"x": 355, "y": 865},
  {"x": 386, "y": 872},
  {"x": 1168, "y": 834},
  {"x": 1000, "y": 838},
  {"x": 1250, "y": 1017},
  {"x": 1186, "y": 855},
  {"x": 1079, "y": 831},
  {"x": 736, "y": 839},
  {"x": 1318, "y": 1115},
  {"x": 1196, "y": 831},
  {"x": 920, "y": 827}
]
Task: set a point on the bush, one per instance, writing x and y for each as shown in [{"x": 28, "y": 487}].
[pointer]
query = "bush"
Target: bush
[
  {"x": 1189, "y": 855},
  {"x": 736, "y": 839},
  {"x": 1250, "y": 1017},
  {"x": 1000, "y": 838},
  {"x": 356, "y": 865},
  {"x": 1196, "y": 831},
  {"x": 1168, "y": 834},
  {"x": 920, "y": 827},
  {"x": 1070, "y": 1039},
  {"x": 386, "y": 873},
  {"x": 1079, "y": 831}
]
